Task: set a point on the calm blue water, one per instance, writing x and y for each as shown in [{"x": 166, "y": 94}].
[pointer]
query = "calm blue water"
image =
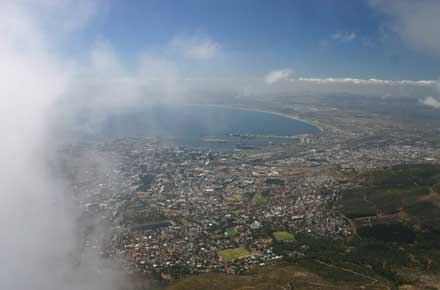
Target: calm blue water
[{"x": 190, "y": 125}]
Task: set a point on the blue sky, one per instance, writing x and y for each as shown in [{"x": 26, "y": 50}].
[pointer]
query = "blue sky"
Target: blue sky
[{"x": 318, "y": 38}]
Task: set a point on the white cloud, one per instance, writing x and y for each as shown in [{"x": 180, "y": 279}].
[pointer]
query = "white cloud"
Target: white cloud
[
  {"x": 356, "y": 81},
  {"x": 366, "y": 87},
  {"x": 431, "y": 102},
  {"x": 278, "y": 75},
  {"x": 37, "y": 240},
  {"x": 114, "y": 85},
  {"x": 344, "y": 36},
  {"x": 31, "y": 81},
  {"x": 416, "y": 22},
  {"x": 196, "y": 46},
  {"x": 104, "y": 84},
  {"x": 330, "y": 86},
  {"x": 255, "y": 88}
]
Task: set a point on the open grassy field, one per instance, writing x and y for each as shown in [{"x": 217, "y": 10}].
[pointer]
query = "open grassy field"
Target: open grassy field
[
  {"x": 283, "y": 236},
  {"x": 232, "y": 232},
  {"x": 260, "y": 199},
  {"x": 234, "y": 197},
  {"x": 233, "y": 254}
]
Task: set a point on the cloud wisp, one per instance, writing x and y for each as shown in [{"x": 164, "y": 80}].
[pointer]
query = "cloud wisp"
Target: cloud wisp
[
  {"x": 281, "y": 84},
  {"x": 415, "y": 22},
  {"x": 38, "y": 214},
  {"x": 357, "y": 81},
  {"x": 196, "y": 46},
  {"x": 104, "y": 85},
  {"x": 431, "y": 102},
  {"x": 278, "y": 75},
  {"x": 344, "y": 36}
]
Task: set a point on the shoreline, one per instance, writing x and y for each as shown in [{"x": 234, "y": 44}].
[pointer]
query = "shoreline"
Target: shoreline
[{"x": 239, "y": 107}]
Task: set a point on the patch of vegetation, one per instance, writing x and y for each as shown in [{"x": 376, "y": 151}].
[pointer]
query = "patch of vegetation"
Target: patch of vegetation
[
  {"x": 354, "y": 205},
  {"x": 404, "y": 231},
  {"x": 275, "y": 181},
  {"x": 365, "y": 257},
  {"x": 403, "y": 176},
  {"x": 260, "y": 199},
  {"x": 402, "y": 188},
  {"x": 235, "y": 197},
  {"x": 282, "y": 276},
  {"x": 233, "y": 254},
  {"x": 426, "y": 214},
  {"x": 145, "y": 182},
  {"x": 332, "y": 272},
  {"x": 436, "y": 187},
  {"x": 388, "y": 233},
  {"x": 184, "y": 221},
  {"x": 283, "y": 236},
  {"x": 232, "y": 232}
]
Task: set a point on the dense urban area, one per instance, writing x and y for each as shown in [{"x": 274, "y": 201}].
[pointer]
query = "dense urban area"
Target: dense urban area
[{"x": 171, "y": 212}]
